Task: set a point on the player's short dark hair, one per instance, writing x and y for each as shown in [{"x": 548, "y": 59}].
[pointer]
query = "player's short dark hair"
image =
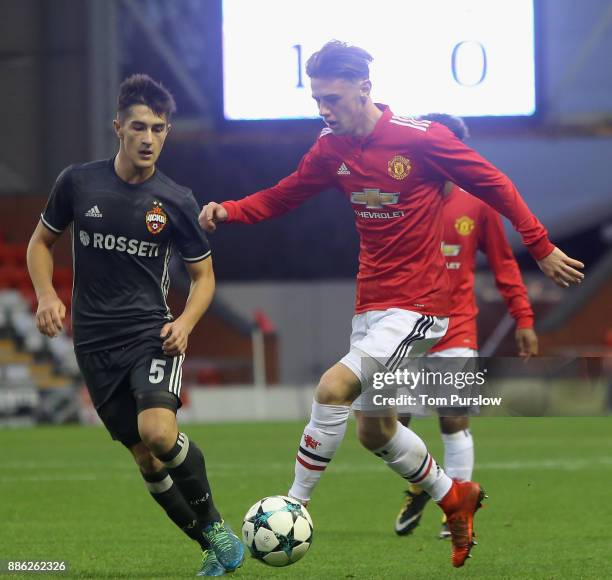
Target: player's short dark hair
[
  {"x": 141, "y": 89},
  {"x": 455, "y": 124},
  {"x": 339, "y": 60}
]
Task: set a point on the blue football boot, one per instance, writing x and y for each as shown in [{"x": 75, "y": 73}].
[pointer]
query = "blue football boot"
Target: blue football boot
[
  {"x": 210, "y": 564},
  {"x": 228, "y": 549}
]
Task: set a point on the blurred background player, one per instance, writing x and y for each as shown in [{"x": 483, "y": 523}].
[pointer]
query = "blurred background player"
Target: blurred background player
[
  {"x": 392, "y": 169},
  {"x": 469, "y": 225},
  {"x": 126, "y": 216}
]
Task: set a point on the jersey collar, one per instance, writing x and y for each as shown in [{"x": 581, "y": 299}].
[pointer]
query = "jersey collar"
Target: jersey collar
[
  {"x": 380, "y": 124},
  {"x": 151, "y": 179}
]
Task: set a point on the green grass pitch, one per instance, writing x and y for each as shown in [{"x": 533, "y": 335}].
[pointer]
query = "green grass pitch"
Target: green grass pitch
[{"x": 70, "y": 493}]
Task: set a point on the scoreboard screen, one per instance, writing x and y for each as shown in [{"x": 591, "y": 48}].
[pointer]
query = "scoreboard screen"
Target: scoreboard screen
[{"x": 473, "y": 58}]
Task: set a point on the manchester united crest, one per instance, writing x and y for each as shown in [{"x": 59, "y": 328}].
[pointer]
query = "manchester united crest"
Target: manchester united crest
[
  {"x": 464, "y": 225},
  {"x": 156, "y": 218},
  {"x": 399, "y": 167}
]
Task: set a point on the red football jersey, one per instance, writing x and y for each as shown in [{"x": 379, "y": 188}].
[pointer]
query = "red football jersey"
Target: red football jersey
[
  {"x": 471, "y": 225},
  {"x": 393, "y": 178}
]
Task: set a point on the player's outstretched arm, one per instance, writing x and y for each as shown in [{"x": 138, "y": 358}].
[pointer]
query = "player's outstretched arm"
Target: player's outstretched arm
[
  {"x": 212, "y": 214},
  {"x": 453, "y": 160},
  {"x": 176, "y": 333},
  {"x": 51, "y": 310},
  {"x": 561, "y": 269},
  {"x": 310, "y": 178}
]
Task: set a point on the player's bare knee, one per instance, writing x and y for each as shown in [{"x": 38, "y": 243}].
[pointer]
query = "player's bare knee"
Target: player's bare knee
[
  {"x": 365, "y": 433},
  {"x": 450, "y": 425},
  {"x": 159, "y": 439},
  {"x": 404, "y": 420},
  {"x": 326, "y": 394},
  {"x": 337, "y": 386},
  {"x": 157, "y": 430},
  {"x": 375, "y": 432},
  {"x": 372, "y": 439},
  {"x": 157, "y": 421}
]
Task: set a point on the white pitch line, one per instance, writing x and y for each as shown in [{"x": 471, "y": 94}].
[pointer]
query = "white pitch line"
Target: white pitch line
[
  {"x": 66, "y": 465},
  {"x": 64, "y": 477},
  {"x": 562, "y": 464},
  {"x": 337, "y": 468},
  {"x": 531, "y": 465}
]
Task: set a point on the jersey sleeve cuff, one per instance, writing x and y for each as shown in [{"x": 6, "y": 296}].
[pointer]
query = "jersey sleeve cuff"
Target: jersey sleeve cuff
[
  {"x": 232, "y": 210},
  {"x": 198, "y": 258},
  {"x": 540, "y": 249},
  {"x": 524, "y": 322},
  {"x": 49, "y": 226}
]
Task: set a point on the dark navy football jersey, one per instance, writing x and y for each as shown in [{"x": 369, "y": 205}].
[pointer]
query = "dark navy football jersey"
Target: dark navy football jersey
[{"x": 122, "y": 238}]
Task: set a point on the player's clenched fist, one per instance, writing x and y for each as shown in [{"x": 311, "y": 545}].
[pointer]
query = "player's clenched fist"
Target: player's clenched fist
[
  {"x": 175, "y": 336},
  {"x": 50, "y": 315},
  {"x": 212, "y": 213}
]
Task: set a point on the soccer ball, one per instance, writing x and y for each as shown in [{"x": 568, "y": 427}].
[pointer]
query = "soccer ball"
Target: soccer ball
[{"x": 277, "y": 530}]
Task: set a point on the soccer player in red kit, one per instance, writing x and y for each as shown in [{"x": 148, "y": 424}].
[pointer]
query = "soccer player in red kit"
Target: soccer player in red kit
[
  {"x": 392, "y": 170},
  {"x": 469, "y": 225}
]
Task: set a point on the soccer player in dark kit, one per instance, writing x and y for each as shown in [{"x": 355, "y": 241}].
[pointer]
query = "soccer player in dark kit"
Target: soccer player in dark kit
[{"x": 126, "y": 217}]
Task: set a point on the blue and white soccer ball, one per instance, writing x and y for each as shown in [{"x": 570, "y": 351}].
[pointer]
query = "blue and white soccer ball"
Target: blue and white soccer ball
[{"x": 277, "y": 530}]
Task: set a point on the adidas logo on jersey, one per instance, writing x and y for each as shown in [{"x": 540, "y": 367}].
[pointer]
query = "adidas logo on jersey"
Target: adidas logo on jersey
[
  {"x": 93, "y": 212},
  {"x": 343, "y": 170}
]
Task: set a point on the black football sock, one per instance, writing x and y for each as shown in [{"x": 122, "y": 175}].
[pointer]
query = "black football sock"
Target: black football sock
[
  {"x": 185, "y": 464},
  {"x": 167, "y": 495}
]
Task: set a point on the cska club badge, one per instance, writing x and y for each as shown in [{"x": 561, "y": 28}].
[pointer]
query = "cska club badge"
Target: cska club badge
[
  {"x": 156, "y": 218},
  {"x": 464, "y": 225},
  {"x": 399, "y": 167}
]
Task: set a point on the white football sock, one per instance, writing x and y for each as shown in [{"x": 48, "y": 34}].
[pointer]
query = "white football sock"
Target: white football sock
[
  {"x": 459, "y": 454},
  {"x": 407, "y": 455},
  {"x": 319, "y": 442}
]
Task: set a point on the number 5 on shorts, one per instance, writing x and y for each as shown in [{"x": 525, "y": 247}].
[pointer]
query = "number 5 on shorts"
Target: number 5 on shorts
[{"x": 156, "y": 372}]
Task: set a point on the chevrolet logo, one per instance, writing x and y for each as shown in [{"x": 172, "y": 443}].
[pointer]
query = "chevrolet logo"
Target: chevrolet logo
[
  {"x": 374, "y": 198},
  {"x": 451, "y": 249}
]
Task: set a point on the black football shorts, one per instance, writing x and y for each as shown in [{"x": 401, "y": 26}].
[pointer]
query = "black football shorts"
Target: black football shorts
[{"x": 120, "y": 379}]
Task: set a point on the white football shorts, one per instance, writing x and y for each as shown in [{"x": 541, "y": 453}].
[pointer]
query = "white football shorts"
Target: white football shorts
[
  {"x": 459, "y": 352},
  {"x": 382, "y": 340}
]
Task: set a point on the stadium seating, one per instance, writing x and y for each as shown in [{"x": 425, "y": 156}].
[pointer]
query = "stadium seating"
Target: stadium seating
[
  {"x": 38, "y": 374},
  {"x": 227, "y": 360}
]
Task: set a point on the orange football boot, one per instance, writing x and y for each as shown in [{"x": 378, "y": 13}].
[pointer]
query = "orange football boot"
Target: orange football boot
[{"x": 460, "y": 504}]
